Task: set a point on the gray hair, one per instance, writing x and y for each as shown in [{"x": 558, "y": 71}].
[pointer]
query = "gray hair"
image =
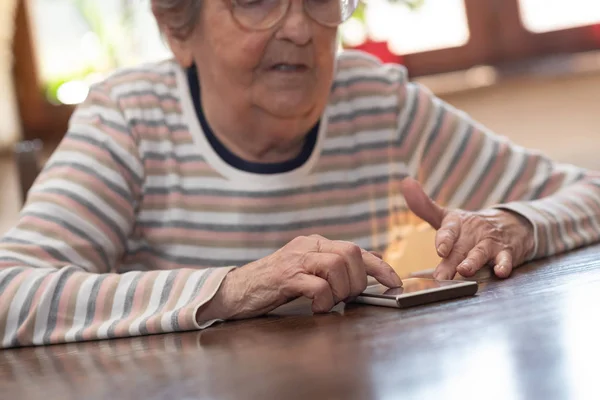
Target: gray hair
[{"x": 177, "y": 18}]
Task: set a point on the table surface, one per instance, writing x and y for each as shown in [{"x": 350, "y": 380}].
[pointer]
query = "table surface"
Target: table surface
[{"x": 534, "y": 336}]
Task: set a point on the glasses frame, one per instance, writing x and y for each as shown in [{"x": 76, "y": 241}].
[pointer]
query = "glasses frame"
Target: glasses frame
[{"x": 232, "y": 4}]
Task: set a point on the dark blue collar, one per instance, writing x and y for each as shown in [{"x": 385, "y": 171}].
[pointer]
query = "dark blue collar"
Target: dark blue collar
[{"x": 234, "y": 160}]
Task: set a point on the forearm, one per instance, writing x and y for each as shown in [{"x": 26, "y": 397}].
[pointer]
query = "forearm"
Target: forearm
[
  {"x": 566, "y": 220},
  {"x": 47, "y": 306}
]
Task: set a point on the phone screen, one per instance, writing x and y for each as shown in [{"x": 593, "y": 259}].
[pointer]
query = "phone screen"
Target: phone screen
[{"x": 410, "y": 285}]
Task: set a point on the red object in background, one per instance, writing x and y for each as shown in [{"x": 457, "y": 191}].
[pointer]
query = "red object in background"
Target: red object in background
[
  {"x": 596, "y": 33},
  {"x": 380, "y": 50}
]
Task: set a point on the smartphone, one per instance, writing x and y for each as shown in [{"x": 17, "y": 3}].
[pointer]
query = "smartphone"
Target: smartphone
[{"x": 416, "y": 292}]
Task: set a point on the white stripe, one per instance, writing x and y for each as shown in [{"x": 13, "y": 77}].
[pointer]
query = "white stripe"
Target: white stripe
[
  {"x": 89, "y": 195},
  {"x": 118, "y": 305},
  {"x": 409, "y": 106},
  {"x": 271, "y": 218},
  {"x": 59, "y": 245},
  {"x": 157, "y": 116},
  {"x": 560, "y": 212},
  {"x": 217, "y": 253},
  {"x": 81, "y": 306},
  {"x": 166, "y": 147},
  {"x": 364, "y": 137},
  {"x": 5, "y": 271},
  {"x": 589, "y": 212},
  {"x": 544, "y": 207},
  {"x": 132, "y": 163},
  {"x": 254, "y": 253},
  {"x": 107, "y": 113},
  {"x": 166, "y": 182},
  {"x": 363, "y": 103},
  {"x": 184, "y": 298},
  {"x": 158, "y": 287},
  {"x": 477, "y": 169},
  {"x": 27, "y": 261},
  {"x": 54, "y": 211},
  {"x": 102, "y": 170},
  {"x": 443, "y": 164},
  {"x": 153, "y": 86},
  {"x": 575, "y": 220},
  {"x": 44, "y": 304},
  {"x": 517, "y": 158},
  {"x": 414, "y": 162},
  {"x": 389, "y": 72},
  {"x": 17, "y": 303}
]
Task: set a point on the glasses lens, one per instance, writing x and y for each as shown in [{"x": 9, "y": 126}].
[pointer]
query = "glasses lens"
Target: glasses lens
[
  {"x": 330, "y": 12},
  {"x": 258, "y": 14},
  {"x": 264, "y": 14}
]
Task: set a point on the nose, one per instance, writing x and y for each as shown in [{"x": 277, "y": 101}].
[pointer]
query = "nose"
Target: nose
[{"x": 296, "y": 25}]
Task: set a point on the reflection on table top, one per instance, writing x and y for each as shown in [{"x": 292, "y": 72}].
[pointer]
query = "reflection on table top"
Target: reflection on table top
[{"x": 534, "y": 336}]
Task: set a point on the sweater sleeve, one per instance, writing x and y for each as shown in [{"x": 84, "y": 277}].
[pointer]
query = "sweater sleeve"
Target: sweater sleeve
[
  {"x": 57, "y": 265},
  {"x": 462, "y": 164}
]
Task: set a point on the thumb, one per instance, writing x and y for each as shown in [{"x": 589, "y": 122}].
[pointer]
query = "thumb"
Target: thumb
[{"x": 420, "y": 204}]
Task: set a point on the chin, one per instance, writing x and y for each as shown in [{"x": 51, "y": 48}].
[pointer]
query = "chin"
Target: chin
[{"x": 294, "y": 106}]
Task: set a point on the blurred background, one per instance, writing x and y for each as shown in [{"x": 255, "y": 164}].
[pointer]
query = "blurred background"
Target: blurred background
[{"x": 529, "y": 69}]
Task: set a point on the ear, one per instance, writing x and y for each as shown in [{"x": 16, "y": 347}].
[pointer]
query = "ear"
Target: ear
[{"x": 181, "y": 50}]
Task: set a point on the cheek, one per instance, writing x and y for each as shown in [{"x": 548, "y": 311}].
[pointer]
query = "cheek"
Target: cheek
[
  {"x": 243, "y": 54},
  {"x": 325, "y": 50}
]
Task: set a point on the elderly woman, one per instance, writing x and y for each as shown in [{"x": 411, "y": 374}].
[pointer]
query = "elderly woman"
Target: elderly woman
[{"x": 259, "y": 166}]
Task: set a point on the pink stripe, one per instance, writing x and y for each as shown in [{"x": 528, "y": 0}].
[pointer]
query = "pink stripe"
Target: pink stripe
[
  {"x": 122, "y": 328},
  {"x": 92, "y": 330},
  {"x": 14, "y": 284},
  {"x": 522, "y": 185},
  {"x": 158, "y": 234},
  {"x": 438, "y": 147},
  {"x": 154, "y": 324},
  {"x": 81, "y": 210},
  {"x": 171, "y": 164},
  {"x": 361, "y": 122},
  {"x": 465, "y": 162},
  {"x": 186, "y": 317},
  {"x": 93, "y": 184},
  {"x": 63, "y": 320},
  {"x": 74, "y": 242},
  {"x": 290, "y": 201},
  {"x": 33, "y": 251},
  {"x": 134, "y": 77},
  {"x": 147, "y": 100},
  {"x": 497, "y": 169}
]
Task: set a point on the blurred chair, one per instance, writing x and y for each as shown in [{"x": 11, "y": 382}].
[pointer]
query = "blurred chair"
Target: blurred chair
[{"x": 27, "y": 159}]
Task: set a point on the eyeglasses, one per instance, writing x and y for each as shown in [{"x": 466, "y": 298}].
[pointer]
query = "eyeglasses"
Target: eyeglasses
[{"x": 265, "y": 14}]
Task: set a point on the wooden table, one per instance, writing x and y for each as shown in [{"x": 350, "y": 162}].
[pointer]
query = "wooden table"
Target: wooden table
[{"x": 534, "y": 336}]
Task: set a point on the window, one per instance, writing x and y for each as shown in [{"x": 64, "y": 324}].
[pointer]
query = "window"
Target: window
[
  {"x": 428, "y": 36},
  {"x": 541, "y": 16},
  {"x": 435, "y": 25},
  {"x": 79, "y": 41}
]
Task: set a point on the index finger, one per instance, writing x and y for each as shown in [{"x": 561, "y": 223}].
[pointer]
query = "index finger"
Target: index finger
[
  {"x": 380, "y": 270},
  {"x": 421, "y": 204}
]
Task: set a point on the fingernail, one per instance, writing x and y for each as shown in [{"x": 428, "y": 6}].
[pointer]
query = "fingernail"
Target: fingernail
[
  {"x": 501, "y": 269},
  {"x": 465, "y": 266},
  {"x": 396, "y": 279},
  {"x": 442, "y": 250}
]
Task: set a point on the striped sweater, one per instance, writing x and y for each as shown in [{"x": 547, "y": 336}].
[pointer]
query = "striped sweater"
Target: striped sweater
[{"x": 136, "y": 219}]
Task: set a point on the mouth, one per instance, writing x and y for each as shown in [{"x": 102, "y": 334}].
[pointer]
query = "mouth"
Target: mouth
[{"x": 289, "y": 68}]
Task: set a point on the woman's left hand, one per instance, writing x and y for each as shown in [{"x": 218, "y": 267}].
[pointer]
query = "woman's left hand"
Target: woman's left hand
[{"x": 467, "y": 241}]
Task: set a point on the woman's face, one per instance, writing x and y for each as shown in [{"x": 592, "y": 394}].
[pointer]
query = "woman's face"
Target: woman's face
[{"x": 285, "y": 71}]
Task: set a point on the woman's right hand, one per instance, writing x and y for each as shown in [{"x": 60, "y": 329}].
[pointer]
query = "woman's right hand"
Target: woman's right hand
[{"x": 325, "y": 271}]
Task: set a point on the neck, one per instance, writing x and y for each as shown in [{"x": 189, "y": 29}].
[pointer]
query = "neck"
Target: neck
[
  {"x": 258, "y": 145},
  {"x": 254, "y": 135}
]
